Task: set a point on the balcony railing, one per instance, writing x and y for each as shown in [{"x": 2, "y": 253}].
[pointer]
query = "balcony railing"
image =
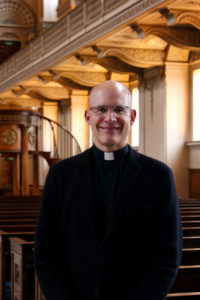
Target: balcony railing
[{"x": 88, "y": 21}]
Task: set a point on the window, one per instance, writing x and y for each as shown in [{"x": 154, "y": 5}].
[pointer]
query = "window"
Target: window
[
  {"x": 196, "y": 105},
  {"x": 49, "y": 10},
  {"x": 135, "y": 127}
]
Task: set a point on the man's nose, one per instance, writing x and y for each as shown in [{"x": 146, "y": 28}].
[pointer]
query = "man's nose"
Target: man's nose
[{"x": 110, "y": 115}]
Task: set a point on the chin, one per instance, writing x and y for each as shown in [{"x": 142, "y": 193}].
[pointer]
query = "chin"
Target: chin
[{"x": 110, "y": 144}]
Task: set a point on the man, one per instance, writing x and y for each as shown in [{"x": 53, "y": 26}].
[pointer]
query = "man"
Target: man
[{"x": 109, "y": 226}]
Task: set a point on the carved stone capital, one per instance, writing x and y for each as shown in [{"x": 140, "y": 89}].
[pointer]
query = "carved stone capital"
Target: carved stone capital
[
  {"x": 194, "y": 56},
  {"x": 63, "y": 105},
  {"x": 151, "y": 77}
]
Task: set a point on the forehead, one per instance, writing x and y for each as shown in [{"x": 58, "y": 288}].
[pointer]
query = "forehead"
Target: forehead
[{"x": 109, "y": 95}]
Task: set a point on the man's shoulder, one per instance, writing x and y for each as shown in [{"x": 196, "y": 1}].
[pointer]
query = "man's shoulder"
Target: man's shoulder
[
  {"x": 151, "y": 163},
  {"x": 71, "y": 161}
]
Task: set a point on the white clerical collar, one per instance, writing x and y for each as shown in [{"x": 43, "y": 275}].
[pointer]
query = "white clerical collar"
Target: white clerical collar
[{"x": 109, "y": 156}]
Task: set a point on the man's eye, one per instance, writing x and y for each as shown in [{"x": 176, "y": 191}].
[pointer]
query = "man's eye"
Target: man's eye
[
  {"x": 101, "y": 110},
  {"x": 119, "y": 109}
]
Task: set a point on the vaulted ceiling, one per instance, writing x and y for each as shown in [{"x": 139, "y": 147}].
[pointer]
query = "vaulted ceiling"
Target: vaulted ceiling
[{"x": 169, "y": 33}]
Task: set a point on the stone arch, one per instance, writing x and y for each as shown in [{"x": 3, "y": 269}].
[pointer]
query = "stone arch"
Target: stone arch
[
  {"x": 9, "y": 36},
  {"x": 16, "y": 12}
]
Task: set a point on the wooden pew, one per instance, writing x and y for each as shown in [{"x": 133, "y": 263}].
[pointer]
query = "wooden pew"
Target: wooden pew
[
  {"x": 38, "y": 292},
  {"x": 191, "y": 231},
  {"x": 22, "y": 269},
  {"x": 18, "y": 212},
  {"x": 189, "y": 270},
  {"x": 187, "y": 280},
  {"x": 188, "y": 201},
  {"x": 5, "y": 275},
  {"x": 191, "y": 242},
  {"x": 19, "y": 198},
  {"x": 192, "y": 223},
  {"x": 191, "y": 257},
  {"x": 189, "y": 212},
  {"x": 17, "y": 221},
  {"x": 184, "y": 296},
  {"x": 187, "y": 283},
  {"x": 11, "y": 227},
  {"x": 18, "y": 218},
  {"x": 180, "y": 290},
  {"x": 190, "y": 217},
  {"x": 21, "y": 227}
]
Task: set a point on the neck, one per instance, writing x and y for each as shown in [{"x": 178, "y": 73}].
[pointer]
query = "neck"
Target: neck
[{"x": 110, "y": 148}]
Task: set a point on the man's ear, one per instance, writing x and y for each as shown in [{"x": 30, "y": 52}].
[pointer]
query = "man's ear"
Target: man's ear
[
  {"x": 87, "y": 116},
  {"x": 132, "y": 116}
]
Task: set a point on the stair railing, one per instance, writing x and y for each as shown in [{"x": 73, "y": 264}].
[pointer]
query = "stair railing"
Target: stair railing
[{"x": 61, "y": 144}]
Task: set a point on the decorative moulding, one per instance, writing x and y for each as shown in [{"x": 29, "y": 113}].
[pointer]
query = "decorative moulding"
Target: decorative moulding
[{"x": 69, "y": 34}]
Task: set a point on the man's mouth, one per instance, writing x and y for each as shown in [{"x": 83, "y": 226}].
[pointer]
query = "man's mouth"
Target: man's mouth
[{"x": 109, "y": 128}]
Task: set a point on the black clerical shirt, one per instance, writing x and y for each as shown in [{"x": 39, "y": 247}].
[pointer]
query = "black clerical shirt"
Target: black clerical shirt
[{"x": 107, "y": 181}]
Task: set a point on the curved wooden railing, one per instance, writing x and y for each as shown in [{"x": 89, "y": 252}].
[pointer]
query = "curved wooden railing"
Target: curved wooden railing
[{"x": 53, "y": 141}]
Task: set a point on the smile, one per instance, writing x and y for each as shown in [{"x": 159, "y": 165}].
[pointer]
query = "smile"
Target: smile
[{"x": 109, "y": 128}]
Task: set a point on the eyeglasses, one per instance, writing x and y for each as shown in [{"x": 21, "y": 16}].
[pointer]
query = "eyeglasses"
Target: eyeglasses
[{"x": 118, "y": 110}]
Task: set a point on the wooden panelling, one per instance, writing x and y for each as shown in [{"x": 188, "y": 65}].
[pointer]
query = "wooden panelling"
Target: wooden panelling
[
  {"x": 10, "y": 137},
  {"x": 194, "y": 183}
]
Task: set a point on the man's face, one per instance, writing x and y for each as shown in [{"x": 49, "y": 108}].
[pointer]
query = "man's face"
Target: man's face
[{"x": 110, "y": 130}]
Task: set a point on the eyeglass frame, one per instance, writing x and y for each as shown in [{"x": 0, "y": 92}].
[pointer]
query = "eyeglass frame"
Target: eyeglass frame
[{"x": 112, "y": 107}]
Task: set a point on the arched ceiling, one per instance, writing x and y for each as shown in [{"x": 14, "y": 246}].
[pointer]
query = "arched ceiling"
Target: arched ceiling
[{"x": 168, "y": 34}]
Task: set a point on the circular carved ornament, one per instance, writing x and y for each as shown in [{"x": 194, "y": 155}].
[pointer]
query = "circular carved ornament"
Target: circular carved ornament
[{"x": 8, "y": 136}]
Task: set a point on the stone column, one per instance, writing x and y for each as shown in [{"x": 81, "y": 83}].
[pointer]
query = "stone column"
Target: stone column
[
  {"x": 24, "y": 161},
  {"x": 152, "y": 113},
  {"x": 36, "y": 165},
  {"x": 79, "y": 103},
  {"x": 177, "y": 120},
  {"x": 16, "y": 175}
]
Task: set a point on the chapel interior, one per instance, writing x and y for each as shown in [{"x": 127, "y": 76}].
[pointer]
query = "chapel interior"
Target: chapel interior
[{"x": 52, "y": 52}]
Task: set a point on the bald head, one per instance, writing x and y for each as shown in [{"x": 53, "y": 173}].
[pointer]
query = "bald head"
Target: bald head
[
  {"x": 109, "y": 88},
  {"x": 108, "y": 116}
]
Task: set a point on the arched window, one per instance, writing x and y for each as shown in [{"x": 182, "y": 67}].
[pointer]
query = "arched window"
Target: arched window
[
  {"x": 49, "y": 10},
  {"x": 196, "y": 106},
  {"x": 135, "y": 127}
]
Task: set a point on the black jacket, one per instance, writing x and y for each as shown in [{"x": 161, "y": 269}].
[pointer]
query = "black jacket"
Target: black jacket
[{"x": 140, "y": 254}]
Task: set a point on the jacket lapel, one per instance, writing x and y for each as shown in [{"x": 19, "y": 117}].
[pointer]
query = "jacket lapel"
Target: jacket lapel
[
  {"x": 129, "y": 176},
  {"x": 87, "y": 183}
]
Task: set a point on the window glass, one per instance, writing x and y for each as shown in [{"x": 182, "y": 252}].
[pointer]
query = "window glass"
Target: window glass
[
  {"x": 135, "y": 127},
  {"x": 196, "y": 105},
  {"x": 49, "y": 10}
]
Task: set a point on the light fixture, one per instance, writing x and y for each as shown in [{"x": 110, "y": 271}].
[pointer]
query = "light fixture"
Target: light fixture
[
  {"x": 42, "y": 79},
  {"x": 98, "y": 51},
  {"x": 81, "y": 59},
  {"x": 15, "y": 93},
  {"x": 55, "y": 76},
  {"x": 23, "y": 89},
  {"x": 138, "y": 30},
  {"x": 170, "y": 17}
]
